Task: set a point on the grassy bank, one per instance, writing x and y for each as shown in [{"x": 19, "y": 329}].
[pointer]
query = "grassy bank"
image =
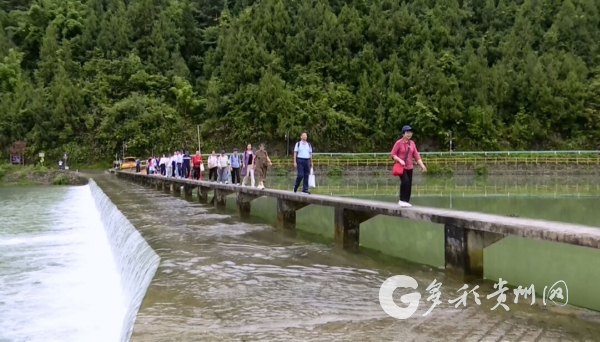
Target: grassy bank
[{"x": 11, "y": 175}]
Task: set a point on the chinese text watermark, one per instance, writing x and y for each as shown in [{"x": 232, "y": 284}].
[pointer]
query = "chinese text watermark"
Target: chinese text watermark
[{"x": 558, "y": 291}]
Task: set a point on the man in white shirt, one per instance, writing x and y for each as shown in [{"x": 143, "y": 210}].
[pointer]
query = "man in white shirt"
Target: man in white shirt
[
  {"x": 222, "y": 164},
  {"x": 303, "y": 162}
]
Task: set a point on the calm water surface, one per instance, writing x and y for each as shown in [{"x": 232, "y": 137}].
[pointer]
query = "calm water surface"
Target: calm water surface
[{"x": 224, "y": 280}]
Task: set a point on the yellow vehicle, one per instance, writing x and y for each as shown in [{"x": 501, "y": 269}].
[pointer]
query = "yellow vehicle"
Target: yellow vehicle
[{"x": 128, "y": 163}]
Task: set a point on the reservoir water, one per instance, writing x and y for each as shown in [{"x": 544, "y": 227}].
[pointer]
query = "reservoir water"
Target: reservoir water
[{"x": 73, "y": 267}]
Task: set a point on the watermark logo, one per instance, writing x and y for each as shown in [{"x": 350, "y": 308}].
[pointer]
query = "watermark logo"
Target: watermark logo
[
  {"x": 386, "y": 299},
  {"x": 558, "y": 291}
]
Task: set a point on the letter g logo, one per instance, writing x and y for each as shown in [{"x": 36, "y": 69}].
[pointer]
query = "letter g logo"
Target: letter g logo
[{"x": 386, "y": 299}]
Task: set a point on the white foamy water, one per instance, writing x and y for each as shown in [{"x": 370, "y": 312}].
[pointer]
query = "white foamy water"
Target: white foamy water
[{"x": 60, "y": 279}]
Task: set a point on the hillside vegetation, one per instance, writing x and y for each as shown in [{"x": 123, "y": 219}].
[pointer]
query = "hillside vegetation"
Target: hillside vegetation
[{"x": 84, "y": 76}]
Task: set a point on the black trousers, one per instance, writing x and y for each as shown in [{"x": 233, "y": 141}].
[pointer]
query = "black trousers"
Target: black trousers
[
  {"x": 235, "y": 175},
  {"x": 212, "y": 174},
  {"x": 196, "y": 174},
  {"x": 406, "y": 185},
  {"x": 186, "y": 170},
  {"x": 303, "y": 173},
  {"x": 163, "y": 169}
]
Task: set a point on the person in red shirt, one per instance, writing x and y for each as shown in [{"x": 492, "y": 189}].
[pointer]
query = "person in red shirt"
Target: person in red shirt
[
  {"x": 403, "y": 152},
  {"x": 196, "y": 164}
]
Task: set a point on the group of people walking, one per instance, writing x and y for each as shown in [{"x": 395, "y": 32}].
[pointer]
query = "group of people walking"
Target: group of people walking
[
  {"x": 236, "y": 168},
  {"x": 246, "y": 165},
  {"x": 179, "y": 165},
  {"x": 253, "y": 164}
]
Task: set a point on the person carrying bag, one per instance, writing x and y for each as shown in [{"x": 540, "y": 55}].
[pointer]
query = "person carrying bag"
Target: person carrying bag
[
  {"x": 312, "y": 182},
  {"x": 403, "y": 168}
]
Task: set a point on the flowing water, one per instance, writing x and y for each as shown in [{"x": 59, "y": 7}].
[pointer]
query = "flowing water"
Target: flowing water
[
  {"x": 221, "y": 279},
  {"x": 72, "y": 268}
]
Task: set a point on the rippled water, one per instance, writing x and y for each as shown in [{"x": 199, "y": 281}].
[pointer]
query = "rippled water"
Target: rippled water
[
  {"x": 225, "y": 280},
  {"x": 58, "y": 281}
]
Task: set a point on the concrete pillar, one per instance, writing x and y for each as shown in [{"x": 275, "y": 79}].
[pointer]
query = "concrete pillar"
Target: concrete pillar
[
  {"x": 176, "y": 189},
  {"x": 286, "y": 212},
  {"x": 221, "y": 197},
  {"x": 157, "y": 184},
  {"x": 166, "y": 187},
  {"x": 203, "y": 194},
  {"x": 243, "y": 204},
  {"x": 187, "y": 191},
  {"x": 347, "y": 227},
  {"x": 464, "y": 249}
]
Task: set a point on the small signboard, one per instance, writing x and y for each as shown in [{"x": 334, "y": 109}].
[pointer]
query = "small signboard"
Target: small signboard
[
  {"x": 65, "y": 156},
  {"x": 16, "y": 152}
]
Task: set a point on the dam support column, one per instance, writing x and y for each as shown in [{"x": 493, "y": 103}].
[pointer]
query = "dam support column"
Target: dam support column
[
  {"x": 187, "y": 191},
  {"x": 176, "y": 189},
  {"x": 243, "y": 204},
  {"x": 286, "y": 212},
  {"x": 203, "y": 194},
  {"x": 464, "y": 250},
  {"x": 221, "y": 197},
  {"x": 347, "y": 227}
]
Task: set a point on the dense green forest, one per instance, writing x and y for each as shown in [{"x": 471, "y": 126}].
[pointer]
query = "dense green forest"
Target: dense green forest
[{"x": 82, "y": 76}]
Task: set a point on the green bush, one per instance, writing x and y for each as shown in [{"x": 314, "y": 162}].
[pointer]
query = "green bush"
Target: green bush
[
  {"x": 280, "y": 171},
  {"x": 60, "y": 180},
  {"x": 335, "y": 172},
  {"x": 481, "y": 169},
  {"x": 4, "y": 169},
  {"x": 438, "y": 170}
]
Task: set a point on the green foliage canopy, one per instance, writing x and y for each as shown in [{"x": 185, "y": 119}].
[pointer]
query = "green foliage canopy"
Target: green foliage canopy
[{"x": 84, "y": 76}]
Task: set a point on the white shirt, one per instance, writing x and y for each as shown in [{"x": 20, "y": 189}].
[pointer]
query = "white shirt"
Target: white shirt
[
  {"x": 222, "y": 161},
  {"x": 180, "y": 158},
  {"x": 212, "y": 161},
  {"x": 303, "y": 150}
]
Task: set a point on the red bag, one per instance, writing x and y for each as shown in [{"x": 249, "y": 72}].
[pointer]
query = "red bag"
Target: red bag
[{"x": 398, "y": 168}]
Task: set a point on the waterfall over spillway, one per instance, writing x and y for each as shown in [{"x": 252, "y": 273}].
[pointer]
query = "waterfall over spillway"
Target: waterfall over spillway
[
  {"x": 72, "y": 267},
  {"x": 134, "y": 258}
]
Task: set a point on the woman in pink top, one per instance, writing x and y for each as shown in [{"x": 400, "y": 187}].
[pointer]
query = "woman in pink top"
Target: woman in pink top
[{"x": 403, "y": 152}]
